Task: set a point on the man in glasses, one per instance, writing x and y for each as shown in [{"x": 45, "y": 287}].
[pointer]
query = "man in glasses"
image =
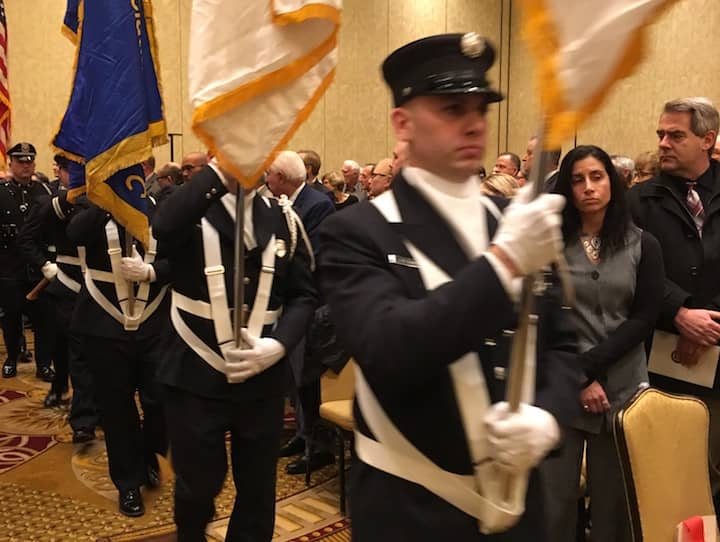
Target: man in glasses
[
  {"x": 381, "y": 177},
  {"x": 192, "y": 163}
]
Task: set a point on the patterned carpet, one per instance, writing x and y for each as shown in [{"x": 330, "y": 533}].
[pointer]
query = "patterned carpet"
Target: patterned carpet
[{"x": 51, "y": 489}]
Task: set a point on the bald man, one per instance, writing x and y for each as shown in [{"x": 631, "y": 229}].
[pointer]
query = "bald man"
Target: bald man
[{"x": 192, "y": 163}]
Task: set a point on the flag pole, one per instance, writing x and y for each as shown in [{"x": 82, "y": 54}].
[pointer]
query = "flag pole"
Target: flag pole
[
  {"x": 239, "y": 265},
  {"x": 129, "y": 240}
]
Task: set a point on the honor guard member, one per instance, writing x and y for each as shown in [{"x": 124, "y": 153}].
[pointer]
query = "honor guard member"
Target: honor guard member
[
  {"x": 45, "y": 225},
  {"x": 123, "y": 342},
  {"x": 211, "y": 386},
  {"x": 17, "y": 195},
  {"x": 420, "y": 282}
]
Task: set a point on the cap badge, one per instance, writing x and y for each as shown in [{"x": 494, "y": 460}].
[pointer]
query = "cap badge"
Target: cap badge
[
  {"x": 24, "y": 147},
  {"x": 472, "y": 45},
  {"x": 406, "y": 91}
]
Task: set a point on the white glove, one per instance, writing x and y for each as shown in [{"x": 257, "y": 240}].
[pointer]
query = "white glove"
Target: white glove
[
  {"x": 134, "y": 269},
  {"x": 263, "y": 352},
  {"x": 529, "y": 231},
  {"x": 518, "y": 441},
  {"x": 49, "y": 270}
]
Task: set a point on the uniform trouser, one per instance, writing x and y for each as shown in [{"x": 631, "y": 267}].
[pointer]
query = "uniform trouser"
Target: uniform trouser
[
  {"x": 197, "y": 427},
  {"x": 560, "y": 475},
  {"x": 69, "y": 358},
  {"x": 119, "y": 367},
  {"x": 14, "y": 304}
]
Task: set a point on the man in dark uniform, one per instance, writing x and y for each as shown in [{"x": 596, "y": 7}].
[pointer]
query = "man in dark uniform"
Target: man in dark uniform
[
  {"x": 212, "y": 386},
  {"x": 45, "y": 226},
  {"x": 122, "y": 342},
  {"x": 17, "y": 278},
  {"x": 420, "y": 283}
]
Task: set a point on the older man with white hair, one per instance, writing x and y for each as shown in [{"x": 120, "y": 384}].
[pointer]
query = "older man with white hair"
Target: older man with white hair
[
  {"x": 351, "y": 173},
  {"x": 286, "y": 177}
]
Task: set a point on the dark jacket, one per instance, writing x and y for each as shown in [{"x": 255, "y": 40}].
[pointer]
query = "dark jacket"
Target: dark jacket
[
  {"x": 692, "y": 262},
  {"x": 313, "y": 207},
  {"x": 404, "y": 337},
  {"x": 87, "y": 228},
  {"x": 45, "y": 226},
  {"x": 177, "y": 223},
  {"x": 16, "y": 200}
]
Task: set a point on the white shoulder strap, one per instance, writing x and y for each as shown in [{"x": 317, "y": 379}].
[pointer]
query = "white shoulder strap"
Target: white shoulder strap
[
  {"x": 490, "y": 206},
  {"x": 478, "y": 496}
]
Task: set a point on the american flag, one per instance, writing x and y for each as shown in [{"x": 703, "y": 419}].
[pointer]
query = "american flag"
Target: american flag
[{"x": 4, "y": 87}]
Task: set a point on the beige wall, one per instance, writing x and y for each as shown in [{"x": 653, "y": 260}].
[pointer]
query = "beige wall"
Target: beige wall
[{"x": 351, "y": 121}]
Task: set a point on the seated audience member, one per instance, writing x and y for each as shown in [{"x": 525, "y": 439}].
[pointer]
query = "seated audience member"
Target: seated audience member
[
  {"x": 507, "y": 162},
  {"x": 646, "y": 167},
  {"x": 334, "y": 181},
  {"x": 625, "y": 166},
  {"x": 617, "y": 272},
  {"x": 500, "y": 184},
  {"x": 382, "y": 177}
]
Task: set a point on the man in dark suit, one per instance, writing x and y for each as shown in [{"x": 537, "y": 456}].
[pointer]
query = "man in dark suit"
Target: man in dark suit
[
  {"x": 285, "y": 178},
  {"x": 420, "y": 283},
  {"x": 211, "y": 386},
  {"x": 681, "y": 208},
  {"x": 312, "y": 162}
]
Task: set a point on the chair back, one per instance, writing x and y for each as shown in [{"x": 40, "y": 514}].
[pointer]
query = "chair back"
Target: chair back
[
  {"x": 338, "y": 386},
  {"x": 662, "y": 442}
]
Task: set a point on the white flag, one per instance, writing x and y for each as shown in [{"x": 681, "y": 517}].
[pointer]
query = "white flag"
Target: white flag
[
  {"x": 256, "y": 70},
  {"x": 582, "y": 48}
]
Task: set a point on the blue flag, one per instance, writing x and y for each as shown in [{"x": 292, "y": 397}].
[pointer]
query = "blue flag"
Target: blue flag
[
  {"x": 71, "y": 21},
  {"x": 115, "y": 113}
]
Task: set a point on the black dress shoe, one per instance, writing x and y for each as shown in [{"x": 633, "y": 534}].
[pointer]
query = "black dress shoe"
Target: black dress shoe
[
  {"x": 131, "y": 503},
  {"x": 9, "y": 369},
  {"x": 317, "y": 461},
  {"x": 83, "y": 435},
  {"x": 54, "y": 399},
  {"x": 153, "y": 476},
  {"x": 45, "y": 373},
  {"x": 294, "y": 446}
]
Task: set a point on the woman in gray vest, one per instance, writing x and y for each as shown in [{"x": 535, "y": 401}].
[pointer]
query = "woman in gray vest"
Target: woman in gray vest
[{"x": 617, "y": 271}]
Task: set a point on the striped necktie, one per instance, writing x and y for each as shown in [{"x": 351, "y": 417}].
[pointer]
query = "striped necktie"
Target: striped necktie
[{"x": 695, "y": 206}]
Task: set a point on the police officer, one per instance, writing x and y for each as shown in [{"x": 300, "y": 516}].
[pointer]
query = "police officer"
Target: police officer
[
  {"x": 211, "y": 386},
  {"x": 420, "y": 283},
  {"x": 123, "y": 343},
  {"x": 45, "y": 226},
  {"x": 17, "y": 278}
]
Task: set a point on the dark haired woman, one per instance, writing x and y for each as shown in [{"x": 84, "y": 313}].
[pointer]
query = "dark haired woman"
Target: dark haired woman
[{"x": 617, "y": 271}]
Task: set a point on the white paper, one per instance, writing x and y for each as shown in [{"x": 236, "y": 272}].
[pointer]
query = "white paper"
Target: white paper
[{"x": 661, "y": 363}]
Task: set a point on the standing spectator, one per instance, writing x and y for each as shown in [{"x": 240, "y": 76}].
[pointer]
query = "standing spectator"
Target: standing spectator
[
  {"x": 618, "y": 277},
  {"x": 334, "y": 181},
  {"x": 351, "y": 173},
  {"x": 148, "y": 166},
  {"x": 677, "y": 207},
  {"x": 646, "y": 167},
  {"x": 192, "y": 163},
  {"x": 381, "y": 178},
  {"x": 625, "y": 167},
  {"x": 507, "y": 162}
]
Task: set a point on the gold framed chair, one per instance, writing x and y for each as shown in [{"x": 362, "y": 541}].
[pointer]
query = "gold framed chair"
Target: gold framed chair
[
  {"x": 337, "y": 391},
  {"x": 662, "y": 442}
]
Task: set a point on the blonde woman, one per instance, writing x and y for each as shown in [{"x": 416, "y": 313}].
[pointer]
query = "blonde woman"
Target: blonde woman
[
  {"x": 335, "y": 182},
  {"x": 500, "y": 184}
]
